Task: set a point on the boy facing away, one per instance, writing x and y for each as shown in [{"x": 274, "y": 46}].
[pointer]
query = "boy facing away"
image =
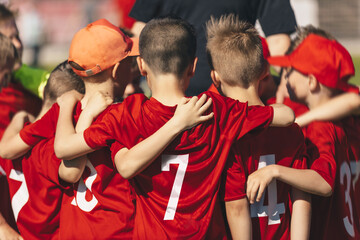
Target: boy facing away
[
  {"x": 317, "y": 70},
  {"x": 176, "y": 186},
  {"x": 105, "y": 71},
  {"x": 238, "y": 65},
  {"x": 35, "y": 188}
]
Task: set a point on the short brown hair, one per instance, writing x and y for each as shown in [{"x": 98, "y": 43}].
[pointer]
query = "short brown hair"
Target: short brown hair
[
  {"x": 234, "y": 50},
  {"x": 62, "y": 79},
  {"x": 6, "y": 13},
  {"x": 168, "y": 45},
  {"x": 8, "y": 52},
  {"x": 303, "y": 32}
]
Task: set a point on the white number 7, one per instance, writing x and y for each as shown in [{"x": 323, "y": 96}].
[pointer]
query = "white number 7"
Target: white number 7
[
  {"x": 21, "y": 197},
  {"x": 182, "y": 160}
]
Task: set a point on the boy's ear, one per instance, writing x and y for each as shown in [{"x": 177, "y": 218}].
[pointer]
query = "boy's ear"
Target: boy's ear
[
  {"x": 192, "y": 70},
  {"x": 114, "y": 70},
  {"x": 313, "y": 83},
  {"x": 141, "y": 65},
  {"x": 215, "y": 78}
]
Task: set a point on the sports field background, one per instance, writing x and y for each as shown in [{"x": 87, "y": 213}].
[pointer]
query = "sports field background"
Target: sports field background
[{"x": 356, "y": 79}]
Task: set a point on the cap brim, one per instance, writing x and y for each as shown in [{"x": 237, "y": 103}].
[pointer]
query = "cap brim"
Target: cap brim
[
  {"x": 282, "y": 61},
  {"x": 135, "y": 47}
]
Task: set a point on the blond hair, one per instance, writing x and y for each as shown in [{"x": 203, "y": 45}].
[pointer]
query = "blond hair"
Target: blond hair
[{"x": 234, "y": 50}]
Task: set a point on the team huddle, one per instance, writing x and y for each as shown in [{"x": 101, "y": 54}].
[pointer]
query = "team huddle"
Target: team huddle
[{"x": 221, "y": 165}]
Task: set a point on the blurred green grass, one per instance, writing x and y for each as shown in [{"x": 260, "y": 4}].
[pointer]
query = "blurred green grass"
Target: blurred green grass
[{"x": 356, "y": 78}]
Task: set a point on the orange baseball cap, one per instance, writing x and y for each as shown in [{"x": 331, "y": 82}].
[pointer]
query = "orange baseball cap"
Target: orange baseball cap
[
  {"x": 326, "y": 59},
  {"x": 99, "y": 46}
]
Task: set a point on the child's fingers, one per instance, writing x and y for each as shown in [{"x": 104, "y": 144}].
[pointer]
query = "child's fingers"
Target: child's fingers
[
  {"x": 260, "y": 192},
  {"x": 205, "y": 106},
  {"x": 201, "y": 101},
  {"x": 193, "y": 100},
  {"x": 207, "y": 117}
]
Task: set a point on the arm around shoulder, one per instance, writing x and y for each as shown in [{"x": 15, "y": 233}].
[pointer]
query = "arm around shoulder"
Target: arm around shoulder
[
  {"x": 12, "y": 145},
  {"x": 283, "y": 115}
]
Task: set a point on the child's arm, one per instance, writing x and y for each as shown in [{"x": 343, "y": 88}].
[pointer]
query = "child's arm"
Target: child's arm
[
  {"x": 283, "y": 115},
  {"x": 336, "y": 108},
  {"x": 239, "y": 220},
  {"x": 11, "y": 144},
  {"x": 301, "y": 215},
  {"x": 70, "y": 144},
  {"x": 71, "y": 170},
  {"x": 130, "y": 162},
  {"x": 302, "y": 179},
  {"x": 6, "y": 232}
]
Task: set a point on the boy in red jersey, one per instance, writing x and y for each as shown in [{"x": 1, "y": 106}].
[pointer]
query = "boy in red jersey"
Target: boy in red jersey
[
  {"x": 171, "y": 202},
  {"x": 236, "y": 58},
  {"x": 106, "y": 69},
  {"x": 34, "y": 184},
  {"x": 318, "y": 69},
  {"x": 7, "y": 61}
]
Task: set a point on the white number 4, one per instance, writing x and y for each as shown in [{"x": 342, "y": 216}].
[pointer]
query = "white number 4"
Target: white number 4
[
  {"x": 182, "y": 160},
  {"x": 274, "y": 209}
]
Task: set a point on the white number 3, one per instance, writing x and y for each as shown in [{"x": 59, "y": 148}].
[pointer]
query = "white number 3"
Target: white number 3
[{"x": 182, "y": 160}]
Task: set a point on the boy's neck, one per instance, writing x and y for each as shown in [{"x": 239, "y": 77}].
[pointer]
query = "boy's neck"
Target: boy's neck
[
  {"x": 167, "y": 88},
  {"x": 241, "y": 94},
  {"x": 315, "y": 100},
  {"x": 90, "y": 88}
]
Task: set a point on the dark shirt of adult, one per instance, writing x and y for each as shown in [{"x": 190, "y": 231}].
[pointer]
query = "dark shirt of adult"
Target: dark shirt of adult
[{"x": 275, "y": 16}]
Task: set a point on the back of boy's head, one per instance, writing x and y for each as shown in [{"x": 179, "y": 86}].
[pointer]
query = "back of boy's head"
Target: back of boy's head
[
  {"x": 234, "y": 50},
  {"x": 5, "y": 13},
  {"x": 98, "y": 47},
  {"x": 62, "y": 79},
  {"x": 168, "y": 45},
  {"x": 8, "y": 53}
]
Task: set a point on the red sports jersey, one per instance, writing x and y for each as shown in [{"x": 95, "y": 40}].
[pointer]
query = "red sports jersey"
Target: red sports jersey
[
  {"x": 283, "y": 146},
  {"x": 13, "y": 99},
  {"x": 176, "y": 196},
  {"x": 332, "y": 217},
  {"x": 298, "y": 108},
  {"x": 352, "y": 129},
  {"x": 35, "y": 191},
  {"x": 101, "y": 197}
]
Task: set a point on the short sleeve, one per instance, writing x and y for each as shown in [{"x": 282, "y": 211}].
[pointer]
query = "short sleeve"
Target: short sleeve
[
  {"x": 276, "y": 16},
  {"x": 320, "y": 144},
  {"x": 300, "y": 159},
  {"x": 256, "y": 118},
  {"x": 115, "y": 147},
  {"x": 145, "y": 10},
  {"x": 44, "y": 128},
  {"x": 43, "y": 156},
  {"x": 233, "y": 186},
  {"x": 236, "y": 119},
  {"x": 105, "y": 129}
]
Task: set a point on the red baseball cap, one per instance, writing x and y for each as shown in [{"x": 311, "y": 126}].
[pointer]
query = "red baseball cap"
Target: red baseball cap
[
  {"x": 326, "y": 59},
  {"x": 99, "y": 46}
]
